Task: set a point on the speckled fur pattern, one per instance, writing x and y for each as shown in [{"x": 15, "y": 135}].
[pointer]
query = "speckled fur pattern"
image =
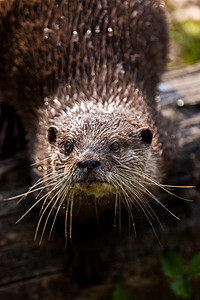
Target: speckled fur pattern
[
  {"x": 46, "y": 43},
  {"x": 91, "y": 69}
]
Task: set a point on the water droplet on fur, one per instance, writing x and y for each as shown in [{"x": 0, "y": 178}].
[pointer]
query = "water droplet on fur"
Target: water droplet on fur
[
  {"x": 88, "y": 33},
  {"x": 110, "y": 31},
  {"x": 122, "y": 71},
  {"x": 136, "y": 92},
  {"x": 75, "y": 36},
  {"x": 97, "y": 29},
  {"x": 53, "y": 112},
  {"x": 46, "y": 101},
  {"x": 46, "y": 33},
  {"x": 55, "y": 100},
  {"x": 59, "y": 43}
]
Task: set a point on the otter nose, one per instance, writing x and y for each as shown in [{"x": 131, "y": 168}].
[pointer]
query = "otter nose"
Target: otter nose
[{"x": 88, "y": 165}]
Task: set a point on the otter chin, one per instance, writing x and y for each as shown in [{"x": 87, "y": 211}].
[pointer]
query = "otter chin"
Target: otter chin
[{"x": 97, "y": 189}]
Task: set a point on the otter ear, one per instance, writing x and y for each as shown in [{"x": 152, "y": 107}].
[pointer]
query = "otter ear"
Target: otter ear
[
  {"x": 146, "y": 135},
  {"x": 52, "y": 134}
]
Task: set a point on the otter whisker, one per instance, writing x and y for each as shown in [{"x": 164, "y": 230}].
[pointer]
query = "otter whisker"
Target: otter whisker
[
  {"x": 159, "y": 202},
  {"x": 179, "y": 186},
  {"x": 140, "y": 204},
  {"x": 116, "y": 206},
  {"x": 44, "y": 210},
  {"x": 71, "y": 215},
  {"x": 137, "y": 195},
  {"x": 38, "y": 195},
  {"x": 138, "y": 173},
  {"x": 53, "y": 206},
  {"x": 42, "y": 160},
  {"x": 79, "y": 203},
  {"x": 29, "y": 191},
  {"x": 162, "y": 187},
  {"x": 46, "y": 195},
  {"x": 148, "y": 206},
  {"x": 50, "y": 211},
  {"x": 24, "y": 195},
  {"x": 28, "y": 211},
  {"x": 33, "y": 191},
  {"x": 58, "y": 209},
  {"x": 66, "y": 217},
  {"x": 144, "y": 189},
  {"x": 45, "y": 178},
  {"x": 129, "y": 208},
  {"x": 120, "y": 216},
  {"x": 130, "y": 213},
  {"x": 150, "y": 223},
  {"x": 58, "y": 177}
]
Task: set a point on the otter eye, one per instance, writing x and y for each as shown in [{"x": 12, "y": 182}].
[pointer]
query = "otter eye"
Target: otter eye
[
  {"x": 68, "y": 147},
  {"x": 114, "y": 147}
]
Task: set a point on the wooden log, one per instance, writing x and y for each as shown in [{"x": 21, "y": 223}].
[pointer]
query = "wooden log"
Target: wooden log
[{"x": 32, "y": 271}]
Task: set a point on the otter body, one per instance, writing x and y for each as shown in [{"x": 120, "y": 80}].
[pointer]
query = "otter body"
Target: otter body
[{"x": 82, "y": 75}]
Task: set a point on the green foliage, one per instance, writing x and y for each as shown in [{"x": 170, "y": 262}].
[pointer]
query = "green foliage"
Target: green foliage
[
  {"x": 194, "y": 267},
  {"x": 187, "y": 35},
  {"x": 173, "y": 267},
  {"x": 182, "y": 287},
  {"x": 119, "y": 293}
]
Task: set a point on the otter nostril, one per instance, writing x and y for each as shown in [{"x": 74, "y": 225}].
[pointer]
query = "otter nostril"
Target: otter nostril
[{"x": 88, "y": 165}]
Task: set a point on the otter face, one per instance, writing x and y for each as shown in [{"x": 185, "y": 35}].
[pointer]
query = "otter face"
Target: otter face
[
  {"x": 99, "y": 154},
  {"x": 93, "y": 158}
]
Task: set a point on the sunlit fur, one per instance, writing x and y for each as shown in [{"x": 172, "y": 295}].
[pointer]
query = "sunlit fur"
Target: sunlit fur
[{"x": 91, "y": 69}]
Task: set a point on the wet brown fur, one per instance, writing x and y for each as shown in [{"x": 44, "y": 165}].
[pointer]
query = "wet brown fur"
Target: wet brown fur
[{"x": 74, "y": 63}]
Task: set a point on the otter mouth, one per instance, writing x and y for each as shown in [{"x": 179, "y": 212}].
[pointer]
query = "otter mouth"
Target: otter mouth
[{"x": 97, "y": 188}]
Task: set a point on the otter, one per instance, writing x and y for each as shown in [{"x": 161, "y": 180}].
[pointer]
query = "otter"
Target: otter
[{"x": 82, "y": 75}]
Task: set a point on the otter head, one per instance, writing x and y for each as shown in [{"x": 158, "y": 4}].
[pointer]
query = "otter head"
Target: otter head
[
  {"x": 100, "y": 154},
  {"x": 96, "y": 155}
]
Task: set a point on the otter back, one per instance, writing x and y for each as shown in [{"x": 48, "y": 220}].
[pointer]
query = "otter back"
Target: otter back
[{"x": 84, "y": 44}]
